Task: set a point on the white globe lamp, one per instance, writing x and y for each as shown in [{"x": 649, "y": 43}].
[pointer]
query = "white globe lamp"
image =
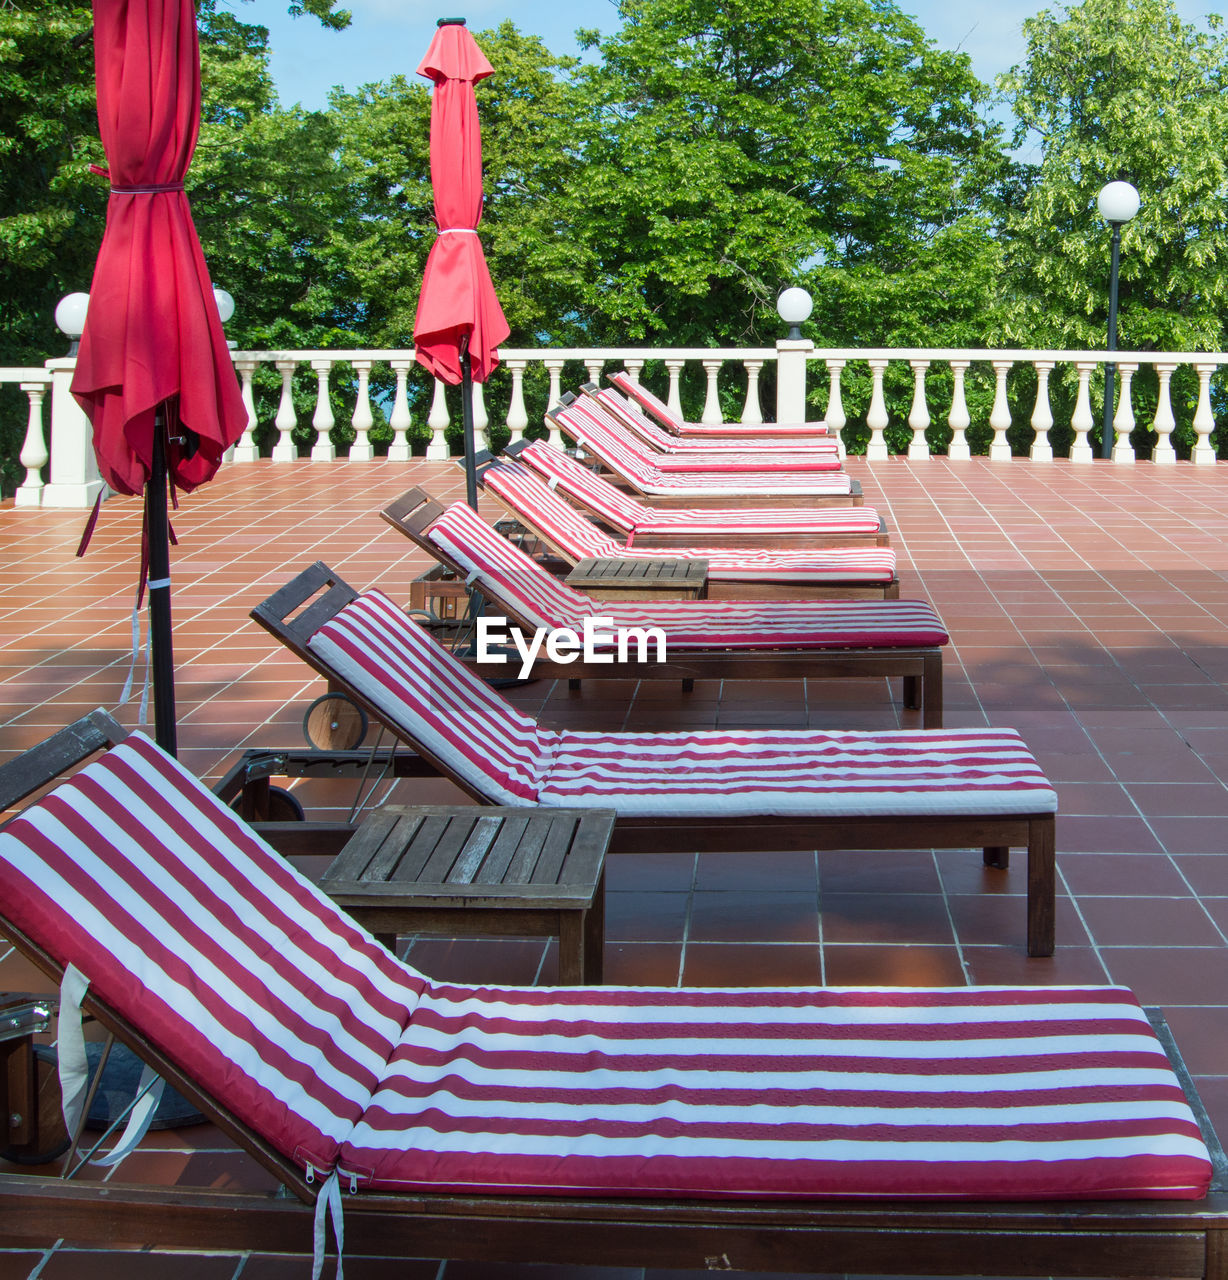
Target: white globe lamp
[
  {"x": 70, "y": 318},
  {"x": 794, "y": 307}
]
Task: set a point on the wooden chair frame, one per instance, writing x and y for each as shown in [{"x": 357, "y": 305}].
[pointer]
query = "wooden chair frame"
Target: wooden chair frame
[
  {"x": 1127, "y": 1239},
  {"x": 920, "y": 667},
  {"x": 296, "y": 611}
]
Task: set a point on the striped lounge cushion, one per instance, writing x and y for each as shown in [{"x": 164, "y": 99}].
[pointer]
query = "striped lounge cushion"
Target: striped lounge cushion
[
  {"x": 578, "y": 421},
  {"x": 671, "y": 442},
  {"x": 631, "y": 517},
  {"x": 574, "y": 536},
  {"x": 518, "y": 584},
  {"x": 634, "y": 392},
  {"x": 507, "y": 758},
  {"x": 991, "y": 1093},
  {"x": 705, "y": 460},
  {"x": 195, "y": 931}
]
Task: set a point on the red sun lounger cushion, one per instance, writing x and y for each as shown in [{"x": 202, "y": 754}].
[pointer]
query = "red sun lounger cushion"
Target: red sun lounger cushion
[
  {"x": 508, "y": 758},
  {"x": 658, "y": 409},
  {"x": 515, "y": 581}
]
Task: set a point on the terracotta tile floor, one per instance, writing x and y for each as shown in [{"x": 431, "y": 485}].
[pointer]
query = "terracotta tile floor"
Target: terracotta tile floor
[{"x": 1086, "y": 608}]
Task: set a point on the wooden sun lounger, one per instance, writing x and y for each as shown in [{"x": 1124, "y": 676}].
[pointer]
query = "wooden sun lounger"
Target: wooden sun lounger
[
  {"x": 920, "y": 666},
  {"x": 317, "y": 597},
  {"x": 846, "y": 572},
  {"x": 1131, "y": 1239}
]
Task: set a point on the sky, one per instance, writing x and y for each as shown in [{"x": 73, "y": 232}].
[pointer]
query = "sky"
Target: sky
[{"x": 390, "y": 36}]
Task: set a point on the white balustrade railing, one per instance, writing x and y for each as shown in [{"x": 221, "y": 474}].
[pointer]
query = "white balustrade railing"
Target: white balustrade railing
[
  {"x": 897, "y": 388},
  {"x": 34, "y": 454}
]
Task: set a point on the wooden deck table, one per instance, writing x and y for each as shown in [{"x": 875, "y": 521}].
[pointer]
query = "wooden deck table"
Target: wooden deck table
[
  {"x": 623, "y": 578},
  {"x": 458, "y": 870}
]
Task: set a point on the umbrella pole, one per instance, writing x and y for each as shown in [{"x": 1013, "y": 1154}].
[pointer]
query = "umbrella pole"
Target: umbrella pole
[
  {"x": 471, "y": 453},
  {"x": 161, "y": 650}
]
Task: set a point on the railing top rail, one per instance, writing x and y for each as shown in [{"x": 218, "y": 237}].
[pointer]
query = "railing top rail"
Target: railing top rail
[
  {"x": 24, "y": 375},
  {"x": 1019, "y": 354},
  {"x": 513, "y": 353}
]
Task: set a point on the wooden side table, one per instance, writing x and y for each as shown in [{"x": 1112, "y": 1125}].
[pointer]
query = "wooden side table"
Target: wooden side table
[
  {"x": 454, "y": 870},
  {"x": 658, "y": 578}
]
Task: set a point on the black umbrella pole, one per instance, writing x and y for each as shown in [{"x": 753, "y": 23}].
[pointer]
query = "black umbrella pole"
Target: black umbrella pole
[
  {"x": 161, "y": 649},
  {"x": 471, "y": 452}
]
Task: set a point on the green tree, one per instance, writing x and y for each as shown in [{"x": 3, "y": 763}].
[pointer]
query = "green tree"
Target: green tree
[
  {"x": 739, "y": 145},
  {"x": 1121, "y": 89}
]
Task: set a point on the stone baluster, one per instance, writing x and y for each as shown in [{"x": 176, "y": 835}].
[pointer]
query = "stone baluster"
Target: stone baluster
[
  {"x": 400, "y": 419},
  {"x": 958, "y": 419},
  {"x": 634, "y": 368},
  {"x": 674, "y": 399},
  {"x": 1123, "y": 419},
  {"x": 752, "y": 411},
  {"x": 517, "y": 414},
  {"x": 481, "y": 420},
  {"x": 919, "y": 414},
  {"x": 876, "y": 418},
  {"x": 323, "y": 450},
  {"x": 554, "y": 367},
  {"x": 285, "y": 450},
  {"x": 835, "y": 416},
  {"x": 1081, "y": 419},
  {"x": 246, "y": 450},
  {"x": 1164, "y": 454},
  {"x": 594, "y": 367},
  {"x": 1042, "y": 414},
  {"x": 712, "y": 415},
  {"x": 34, "y": 455},
  {"x": 363, "y": 420},
  {"x": 1204, "y": 421},
  {"x": 1000, "y": 414},
  {"x": 437, "y": 420}
]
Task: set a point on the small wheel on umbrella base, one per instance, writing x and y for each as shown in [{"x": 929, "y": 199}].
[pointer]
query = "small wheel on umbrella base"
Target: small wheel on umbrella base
[
  {"x": 52, "y": 1138},
  {"x": 335, "y": 723},
  {"x": 283, "y": 806}
]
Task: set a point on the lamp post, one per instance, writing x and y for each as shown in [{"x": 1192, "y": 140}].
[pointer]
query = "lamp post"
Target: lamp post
[{"x": 1118, "y": 202}]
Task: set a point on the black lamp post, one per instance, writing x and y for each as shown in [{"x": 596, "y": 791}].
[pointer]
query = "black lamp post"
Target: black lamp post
[{"x": 1118, "y": 202}]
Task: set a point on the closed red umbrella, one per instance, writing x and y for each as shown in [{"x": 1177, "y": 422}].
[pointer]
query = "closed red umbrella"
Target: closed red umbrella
[
  {"x": 153, "y": 350},
  {"x": 459, "y": 324}
]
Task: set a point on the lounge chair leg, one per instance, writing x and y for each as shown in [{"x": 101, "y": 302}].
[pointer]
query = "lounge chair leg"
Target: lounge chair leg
[
  {"x": 1042, "y": 875},
  {"x": 998, "y": 855},
  {"x": 688, "y": 685},
  {"x": 573, "y": 686},
  {"x": 931, "y": 691},
  {"x": 912, "y": 693}
]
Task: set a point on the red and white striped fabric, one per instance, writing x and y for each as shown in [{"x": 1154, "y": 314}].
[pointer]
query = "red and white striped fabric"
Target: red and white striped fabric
[
  {"x": 227, "y": 960},
  {"x": 507, "y": 758},
  {"x": 579, "y": 421},
  {"x": 633, "y": 392},
  {"x": 706, "y": 461},
  {"x": 666, "y": 441},
  {"x": 983, "y": 1093},
  {"x": 574, "y": 537},
  {"x": 286, "y": 1013},
  {"x": 629, "y": 516},
  {"x": 523, "y": 588}
]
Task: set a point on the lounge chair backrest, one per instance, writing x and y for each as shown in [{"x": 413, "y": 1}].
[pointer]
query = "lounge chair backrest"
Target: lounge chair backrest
[
  {"x": 505, "y": 574},
  {"x": 637, "y": 392},
  {"x": 433, "y": 700},
  {"x": 617, "y": 508},
  {"x": 539, "y": 507},
  {"x": 586, "y": 421},
  {"x": 631, "y": 417},
  {"x": 210, "y": 945}
]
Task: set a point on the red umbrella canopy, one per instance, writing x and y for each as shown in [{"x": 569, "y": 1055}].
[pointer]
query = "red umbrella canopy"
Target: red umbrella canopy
[
  {"x": 152, "y": 330},
  {"x": 457, "y": 299}
]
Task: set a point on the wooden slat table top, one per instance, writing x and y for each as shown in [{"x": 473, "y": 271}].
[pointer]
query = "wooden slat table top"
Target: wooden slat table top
[
  {"x": 414, "y": 855},
  {"x": 662, "y": 573}
]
